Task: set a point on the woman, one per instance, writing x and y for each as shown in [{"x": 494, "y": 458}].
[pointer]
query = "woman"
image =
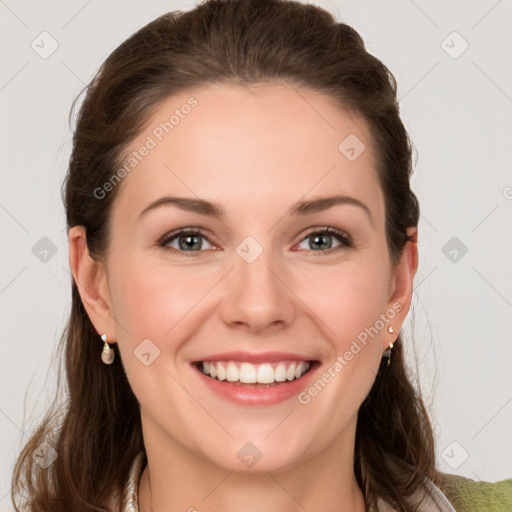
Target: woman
[{"x": 217, "y": 355}]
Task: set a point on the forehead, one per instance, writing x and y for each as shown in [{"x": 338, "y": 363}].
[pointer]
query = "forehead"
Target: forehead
[{"x": 248, "y": 147}]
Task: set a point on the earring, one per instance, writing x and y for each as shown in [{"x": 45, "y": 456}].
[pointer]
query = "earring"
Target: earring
[
  {"x": 388, "y": 350},
  {"x": 107, "y": 354},
  {"x": 389, "y": 353}
]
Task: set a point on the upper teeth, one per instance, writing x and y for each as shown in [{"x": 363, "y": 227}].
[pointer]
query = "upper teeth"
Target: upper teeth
[{"x": 251, "y": 374}]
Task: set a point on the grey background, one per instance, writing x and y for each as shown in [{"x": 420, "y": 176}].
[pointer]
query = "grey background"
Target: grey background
[{"x": 458, "y": 110}]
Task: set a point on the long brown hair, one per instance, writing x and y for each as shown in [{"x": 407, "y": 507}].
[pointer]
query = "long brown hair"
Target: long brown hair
[{"x": 97, "y": 431}]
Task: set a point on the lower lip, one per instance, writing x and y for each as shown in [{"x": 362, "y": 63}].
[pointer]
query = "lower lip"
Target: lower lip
[{"x": 246, "y": 394}]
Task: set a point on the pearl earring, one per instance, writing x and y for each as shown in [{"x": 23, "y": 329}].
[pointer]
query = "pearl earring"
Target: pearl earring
[{"x": 107, "y": 354}]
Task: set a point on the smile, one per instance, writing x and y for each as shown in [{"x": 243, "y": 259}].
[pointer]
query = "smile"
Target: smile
[{"x": 264, "y": 382}]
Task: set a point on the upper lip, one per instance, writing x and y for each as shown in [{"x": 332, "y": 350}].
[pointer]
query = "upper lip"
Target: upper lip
[{"x": 253, "y": 357}]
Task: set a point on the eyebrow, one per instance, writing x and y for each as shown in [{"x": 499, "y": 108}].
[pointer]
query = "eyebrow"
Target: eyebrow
[{"x": 214, "y": 210}]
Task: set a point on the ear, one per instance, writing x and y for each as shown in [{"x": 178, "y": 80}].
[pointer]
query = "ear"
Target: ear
[
  {"x": 91, "y": 280},
  {"x": 402, "y": 283}
]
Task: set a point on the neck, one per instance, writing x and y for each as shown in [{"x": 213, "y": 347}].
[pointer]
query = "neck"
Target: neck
[{"x": 176, "y": 479}]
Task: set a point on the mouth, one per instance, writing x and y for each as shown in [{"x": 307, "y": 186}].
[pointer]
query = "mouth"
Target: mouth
[
  {"x": 265, "y": 381},
  {"x": 277, "y": 373}
]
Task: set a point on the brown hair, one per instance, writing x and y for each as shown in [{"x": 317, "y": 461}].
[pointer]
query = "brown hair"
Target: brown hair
[{"x": 98, "y": 431}]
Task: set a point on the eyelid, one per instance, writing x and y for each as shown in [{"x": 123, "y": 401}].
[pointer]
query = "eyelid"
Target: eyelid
[
  {"x": 344, "y": 238},
  {"x": 165, "y": 239},
  {"x": 330, "y": 230}
]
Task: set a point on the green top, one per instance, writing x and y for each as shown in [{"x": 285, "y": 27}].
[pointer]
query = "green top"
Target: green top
[{"x": 477, "y": 496}]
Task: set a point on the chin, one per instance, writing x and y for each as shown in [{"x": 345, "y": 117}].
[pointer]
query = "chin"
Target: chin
[{"x": 257, "y": 454}]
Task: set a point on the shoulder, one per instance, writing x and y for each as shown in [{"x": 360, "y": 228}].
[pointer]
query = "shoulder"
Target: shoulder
[{"x": 466, "y": 494}]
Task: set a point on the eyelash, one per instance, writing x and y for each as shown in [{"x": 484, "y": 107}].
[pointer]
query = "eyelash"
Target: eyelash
[{"x": 344, "y": 238}]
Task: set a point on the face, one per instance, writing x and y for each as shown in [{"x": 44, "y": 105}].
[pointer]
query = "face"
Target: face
[{"x": 265, "y": 284}]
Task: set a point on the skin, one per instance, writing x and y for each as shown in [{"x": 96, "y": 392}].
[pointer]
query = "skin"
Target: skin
[{"x": 256, "y": 151}]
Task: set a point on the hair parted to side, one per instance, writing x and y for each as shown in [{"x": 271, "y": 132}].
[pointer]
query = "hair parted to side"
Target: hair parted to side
[{"x": 97, "y": 431}]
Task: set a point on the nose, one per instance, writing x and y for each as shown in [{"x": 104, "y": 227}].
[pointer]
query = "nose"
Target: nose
[{"x": 257, "y": 297}]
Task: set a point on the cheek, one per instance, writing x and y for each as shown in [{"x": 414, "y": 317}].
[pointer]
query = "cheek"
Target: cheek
[
  {"x": 152, "y": 300},
  {"x": 156, "y": 303},
  {"x": 348, "y": 298},
  {"x": 350, "y": 304}
]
